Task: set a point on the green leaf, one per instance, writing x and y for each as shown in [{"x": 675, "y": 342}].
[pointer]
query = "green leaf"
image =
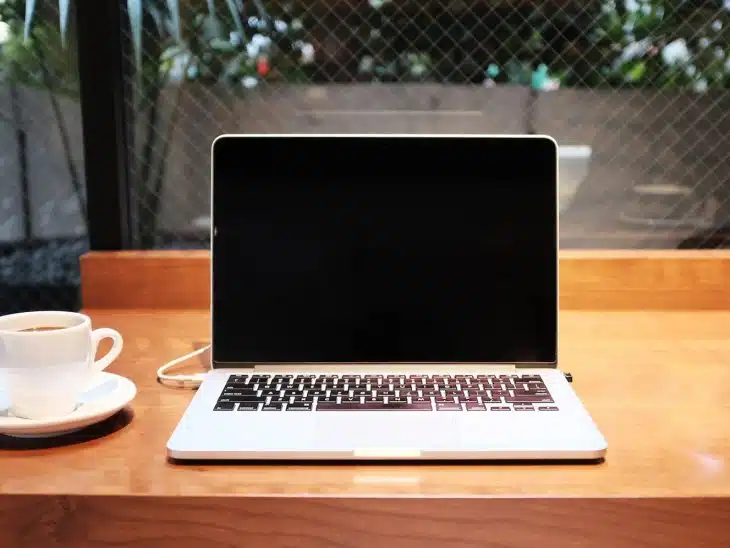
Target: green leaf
[
  {"x": 63, "y": 9},
  {"x": 212, "y": 29},
  {"x": 236, "y": 17},
  {"x": 29, "y": 13},
  {"x": 134, "y": 8},
  {"x": 636, "y": 72},
  {"x": 221, "y": 45},
  {"x": 172, "y": 52}
]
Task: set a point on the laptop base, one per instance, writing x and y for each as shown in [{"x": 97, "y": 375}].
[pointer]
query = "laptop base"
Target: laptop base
[{"x": 564, "y": 433}]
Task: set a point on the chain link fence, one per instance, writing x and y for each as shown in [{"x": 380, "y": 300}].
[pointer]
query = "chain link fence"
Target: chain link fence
[
  {"x": 634, "y": 91},
  {"x": 42, "y": 187}
]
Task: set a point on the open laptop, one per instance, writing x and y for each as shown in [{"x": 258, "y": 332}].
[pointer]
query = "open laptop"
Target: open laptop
[{"x": 385, "y": 297}]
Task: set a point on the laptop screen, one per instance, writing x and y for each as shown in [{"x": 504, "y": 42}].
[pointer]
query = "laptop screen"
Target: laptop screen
[{"x": 354, "y": 249}]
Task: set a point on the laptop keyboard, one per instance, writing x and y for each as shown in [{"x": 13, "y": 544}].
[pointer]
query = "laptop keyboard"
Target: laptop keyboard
[{"x": 319, "y": 393}]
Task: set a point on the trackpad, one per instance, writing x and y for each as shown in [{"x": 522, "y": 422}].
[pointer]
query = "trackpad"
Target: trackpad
[{"x": 380, "y": 432}]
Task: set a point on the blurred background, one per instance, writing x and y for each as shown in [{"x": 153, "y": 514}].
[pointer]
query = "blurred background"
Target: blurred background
[{"x": 634, "y": 91}]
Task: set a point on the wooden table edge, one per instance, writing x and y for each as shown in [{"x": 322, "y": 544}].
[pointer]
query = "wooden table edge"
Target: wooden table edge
[
  {"x": 363, "y": 522},
  {"x": 589, "y": 280}
]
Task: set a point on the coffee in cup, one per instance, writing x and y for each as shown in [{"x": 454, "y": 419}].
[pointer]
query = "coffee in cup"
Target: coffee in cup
[{"x": 47, "y": 360}]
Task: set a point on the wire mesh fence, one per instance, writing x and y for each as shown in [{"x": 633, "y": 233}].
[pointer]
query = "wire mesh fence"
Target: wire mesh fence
[
  {"x": 42, "y": 188},
  {"x": 634, "y": 91}
]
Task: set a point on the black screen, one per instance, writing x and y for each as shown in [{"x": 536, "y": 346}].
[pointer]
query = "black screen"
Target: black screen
[{"x": 384, "y": 249}]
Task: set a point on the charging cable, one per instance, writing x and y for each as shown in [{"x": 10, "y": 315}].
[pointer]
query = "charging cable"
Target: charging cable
[{"x": 181, "y": 381}]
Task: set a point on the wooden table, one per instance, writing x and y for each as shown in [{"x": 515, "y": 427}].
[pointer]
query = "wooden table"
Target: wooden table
[{"x": 657, "y": 384}]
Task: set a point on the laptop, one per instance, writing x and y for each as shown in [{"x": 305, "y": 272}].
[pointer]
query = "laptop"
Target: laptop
[{"x": 385, "y": 298}]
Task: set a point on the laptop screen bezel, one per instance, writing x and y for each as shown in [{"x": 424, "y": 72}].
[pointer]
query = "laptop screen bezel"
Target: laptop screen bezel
[{"x": 526, "y": 141}]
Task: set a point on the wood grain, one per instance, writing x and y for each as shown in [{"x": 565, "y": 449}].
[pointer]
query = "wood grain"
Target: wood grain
[
  {"x": 656, "y": 383},
  {"x": 589, "y": 280},
  {"x": 308, "y": 522}
]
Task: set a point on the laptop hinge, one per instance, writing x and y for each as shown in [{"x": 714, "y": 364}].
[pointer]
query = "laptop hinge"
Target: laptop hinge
[
  {"x": 269, "y": 367},
  {"x": 529, "y": 365},
  {"x": 334, "y": 368}
]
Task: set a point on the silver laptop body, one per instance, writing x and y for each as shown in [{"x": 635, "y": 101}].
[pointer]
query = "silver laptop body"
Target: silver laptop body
[{"x": 385, "y": 298}]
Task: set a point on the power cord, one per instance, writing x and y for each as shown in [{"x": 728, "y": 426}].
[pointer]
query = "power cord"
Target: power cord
[{"x": 191, "y": 381}]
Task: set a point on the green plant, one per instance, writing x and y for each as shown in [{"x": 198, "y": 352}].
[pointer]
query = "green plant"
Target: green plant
[
  {"x": 609, "y": 43},
  {"x": 30, "y": 61},
  {"x": 36, "y": 60},
  {"x": 241, "y": 53},
  {"x": 380, "y": 61},
  {"x": 213, "y": 41},
  {"x": 664, "y": 43},
  {"x": 237, "y": 48}
]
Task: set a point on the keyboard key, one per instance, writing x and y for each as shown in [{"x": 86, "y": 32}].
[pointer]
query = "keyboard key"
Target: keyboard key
[
  {"x": 237, "y": 394},
  {"x": 475, "y": 406},
  {"x": 500, "y": 408},
  {"x": 300, "y": 406},
  {"x": 528, "y": 399},
  {"x": 272, "y": 407},
  {"x": 248, "y": 406},
  {"x": 550, "y": 408},
  {"x": 224, "y": 406},
  {"x": 447, "y": 406},
  {"x": 524, "y": 408},
  {"x": 240, "y": 399}
]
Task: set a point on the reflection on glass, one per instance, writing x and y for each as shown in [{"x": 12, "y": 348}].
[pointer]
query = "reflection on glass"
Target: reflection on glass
[{"x": 43, "y": 228}]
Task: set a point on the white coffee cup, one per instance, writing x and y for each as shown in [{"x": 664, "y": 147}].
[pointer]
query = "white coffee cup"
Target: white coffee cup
[{"x": 47, "y": 360}]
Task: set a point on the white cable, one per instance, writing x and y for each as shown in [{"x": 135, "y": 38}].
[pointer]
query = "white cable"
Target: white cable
[{"x": 181, "y": 381}]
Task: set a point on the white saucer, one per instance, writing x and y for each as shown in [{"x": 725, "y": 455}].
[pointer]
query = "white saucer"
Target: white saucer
[{"x": 108, "y": 394}]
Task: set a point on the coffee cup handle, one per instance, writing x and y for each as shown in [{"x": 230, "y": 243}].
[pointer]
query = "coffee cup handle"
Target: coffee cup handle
[{"x": 97, "y": 335}]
